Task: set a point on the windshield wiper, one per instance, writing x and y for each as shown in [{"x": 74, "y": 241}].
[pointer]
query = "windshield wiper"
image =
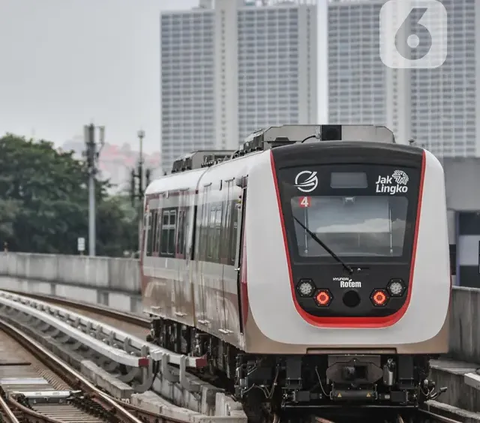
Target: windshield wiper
[{"x": 322, "y": 244}]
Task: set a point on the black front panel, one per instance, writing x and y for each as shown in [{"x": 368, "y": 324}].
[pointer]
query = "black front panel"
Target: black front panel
[{"x": 360, "y": 200}]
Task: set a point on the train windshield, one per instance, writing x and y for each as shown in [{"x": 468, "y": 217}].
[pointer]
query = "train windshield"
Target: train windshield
[
  {"x": 351, "y": 225},
  {"x": 360, "y": 212}
]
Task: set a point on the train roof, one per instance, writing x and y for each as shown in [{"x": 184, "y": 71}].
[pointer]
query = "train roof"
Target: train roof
[
  {"x": 314, "y": 147},
  {"x": 189, "y": 180},
  {"x": 184, "y": 180},
  {"x": 189, "y": 169}
]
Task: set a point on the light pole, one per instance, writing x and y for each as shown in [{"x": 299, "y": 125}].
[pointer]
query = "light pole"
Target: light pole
[
  {"x": 92, "y": 156},
  {"x": 137, "y": 191},
  {"x": 141, "y": 135}
]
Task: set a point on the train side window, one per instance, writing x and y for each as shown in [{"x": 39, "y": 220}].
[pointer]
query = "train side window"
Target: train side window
[
  {"x": 228, "y": 232},
  {"x": 171, "y": 236},
  {"x": 186, "y": 226},
  {"x": 203, "y": 226},
  {"x": 181, "y": 225},
  {"x": 141, "y": 247},
  {"x": 200, "y": 239},
  {"x": 225, "y": 224},
  {"x": 153, "y": 231},
  {"x": 191, "y": 235},
  {"x": 205, "y": 243},
  {"x": 164, "y": 233},
  {"x": 211, "y": 233},
  {"x": 148, "y": 235},
  {"x": 233, "y": 233},
  {"x": 223, "y": 236},
  {"x": 181, "y": 233},
  {"x": 218, "y": 233},
  {"x": 167, "y": 244},
  {"x": 156, "y": 231}
]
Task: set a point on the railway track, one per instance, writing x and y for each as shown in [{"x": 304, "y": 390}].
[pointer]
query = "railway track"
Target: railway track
[
  {"x": 415, "y": 416},
  {"x": 128, "y": 322},
  {"x": 43, "y": 389},
  {"x": 141, "y": 327},
  {"x": 37, "y": 387}
]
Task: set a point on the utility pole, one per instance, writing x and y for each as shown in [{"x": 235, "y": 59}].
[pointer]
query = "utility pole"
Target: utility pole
[
  {"x": 92, "y": 156},
  {"x": 137, "y": 191}
]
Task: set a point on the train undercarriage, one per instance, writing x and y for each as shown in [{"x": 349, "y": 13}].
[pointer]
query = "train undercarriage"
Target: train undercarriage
[{"x": 274, "y": 383}]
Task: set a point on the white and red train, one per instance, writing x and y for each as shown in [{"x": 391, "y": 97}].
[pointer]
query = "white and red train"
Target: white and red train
[{"x": 311, "y": 266}]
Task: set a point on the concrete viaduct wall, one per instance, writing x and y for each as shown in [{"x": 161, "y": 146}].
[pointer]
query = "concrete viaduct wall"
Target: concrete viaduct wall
[
  {"x": 101, "y": 280},
  {"x": 116, "y": 283}
]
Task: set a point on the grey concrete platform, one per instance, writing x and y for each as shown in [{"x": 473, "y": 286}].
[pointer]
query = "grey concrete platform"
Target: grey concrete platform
[
  {"x": 451, "y": 412},
  {"x": 451, "y": 374}
]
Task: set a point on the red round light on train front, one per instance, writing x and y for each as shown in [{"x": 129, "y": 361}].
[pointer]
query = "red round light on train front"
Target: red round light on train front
[
  {"x": 323, "y": 298},
  {"x": 379, "y": 298}
]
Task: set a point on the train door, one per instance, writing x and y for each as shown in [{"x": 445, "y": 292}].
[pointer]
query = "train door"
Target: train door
[
  {"x": 236, "y": 205},
  {"x": 239, "y": 249},
  {"x": 199, "y": 277},
  {"x": 183, "y": 292},
  {"x": 224, "y": 256}
]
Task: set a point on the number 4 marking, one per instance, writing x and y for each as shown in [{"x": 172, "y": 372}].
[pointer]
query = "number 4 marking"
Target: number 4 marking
[{"x": 305, "y": 202}]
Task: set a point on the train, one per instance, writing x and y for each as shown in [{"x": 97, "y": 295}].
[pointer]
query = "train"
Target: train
[{"x": 310, "y": 266}]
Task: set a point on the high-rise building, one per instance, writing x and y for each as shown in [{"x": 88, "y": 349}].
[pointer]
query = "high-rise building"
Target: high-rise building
[
  {"x": 440, "y": 108},
  {"x": 233, "y": 69},
  {"x": 357, "y": 78},
  {"x": 187, "y": 82}
]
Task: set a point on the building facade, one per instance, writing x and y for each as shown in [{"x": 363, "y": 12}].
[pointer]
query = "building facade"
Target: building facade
[
  {"x": 234, "y": 68},
  {"x": 187, "y": 82},
  {"x": 357, "y": 78},
  {"x": 440, "y": 108}
]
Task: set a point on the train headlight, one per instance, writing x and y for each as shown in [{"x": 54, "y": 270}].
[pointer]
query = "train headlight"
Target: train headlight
[
  {"x": 396, "y": 288},
  {"x": 379, "y": 298},
  {"x": 323, "y": 298},
  {"x": 305, "y": 287}
]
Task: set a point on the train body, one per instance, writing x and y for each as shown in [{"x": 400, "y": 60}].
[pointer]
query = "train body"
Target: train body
[{"x": 314, "y": 271}]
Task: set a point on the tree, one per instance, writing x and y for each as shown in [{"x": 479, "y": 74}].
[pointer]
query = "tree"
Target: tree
[
  {"x": 118, "y": 227},
  {"x": 44, "y": 201}
]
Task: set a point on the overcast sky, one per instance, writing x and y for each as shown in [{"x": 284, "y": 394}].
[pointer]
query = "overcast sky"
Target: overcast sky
[{"x": 64, "y": 63}]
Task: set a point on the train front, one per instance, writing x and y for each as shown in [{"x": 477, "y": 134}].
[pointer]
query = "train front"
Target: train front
[{"x": 350, "y": 277}]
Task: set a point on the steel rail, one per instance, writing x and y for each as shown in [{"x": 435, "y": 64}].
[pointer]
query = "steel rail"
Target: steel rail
[
  {"x": 438, "y": 417},
  {"x": 68, "y": 374},
  {"x": 62, "y": 320},
  {"x": 81, "y": 305},
  {"x": 39, "y": 417},
  {"x": 128, "y": 412},
  {"x": 8, "y": 411}
]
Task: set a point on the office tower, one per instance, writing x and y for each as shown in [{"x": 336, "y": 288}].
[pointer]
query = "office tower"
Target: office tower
[
  {"x": 233, "y": 69},
  {"x": 445, "y": 101},
  {"x": 187, "y": 82},
  {"x": 277, "y": 65},
  {"x": 357, "y": 78},
  {"x": 437, "y": 107}
]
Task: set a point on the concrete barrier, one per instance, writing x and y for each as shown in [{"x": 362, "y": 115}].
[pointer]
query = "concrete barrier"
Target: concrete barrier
[
  {"x": 464, "y": 321},
  {"x": 112, "y": 274}
]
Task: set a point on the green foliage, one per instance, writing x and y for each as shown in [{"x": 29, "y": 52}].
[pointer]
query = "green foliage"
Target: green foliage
[{"x": 44, "y": 202}]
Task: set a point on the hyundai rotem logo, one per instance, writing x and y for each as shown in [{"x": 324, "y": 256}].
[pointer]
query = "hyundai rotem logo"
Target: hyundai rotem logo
[
  {"x": 350, "y": 284},
  {"x": 306, "y": 181}
]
